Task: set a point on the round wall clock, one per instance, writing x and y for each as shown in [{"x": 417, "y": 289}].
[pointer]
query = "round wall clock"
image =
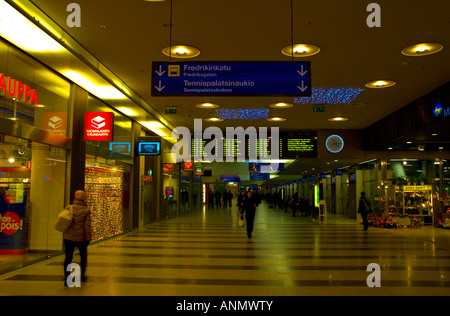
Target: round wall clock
[{"x": 334, "y": 143}]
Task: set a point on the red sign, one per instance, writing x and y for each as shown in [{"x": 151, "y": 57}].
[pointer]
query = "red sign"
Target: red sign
[
  {"x": 188, "y": 166},
  {"x": 18, "y": 90},
  {"x": 98, "y": 126},
  {"x": 169, "y": 167},
  {"x": 10, "y": 223}
]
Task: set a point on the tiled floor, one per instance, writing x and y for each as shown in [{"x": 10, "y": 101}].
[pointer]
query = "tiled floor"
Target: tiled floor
[{"x": 205, "y": 253}]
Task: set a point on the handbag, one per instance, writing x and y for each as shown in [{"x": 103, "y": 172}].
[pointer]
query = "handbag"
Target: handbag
[
  {"x": 241, "y": 220},
  {"x": 64, "y": 220}
]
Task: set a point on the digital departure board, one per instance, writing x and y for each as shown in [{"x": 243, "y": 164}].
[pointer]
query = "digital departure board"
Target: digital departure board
[
  {"x": 230, "y": 148},
  {"x": 301, "y": 144},
  {"x": 298, "y": 144}
]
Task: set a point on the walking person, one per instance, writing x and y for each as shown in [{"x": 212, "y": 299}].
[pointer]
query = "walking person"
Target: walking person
[
  {"x": 211, "y": 199},
  {"x": 225, "y": 199},
  {"x": 218, "y": 197},
  {"x": 249, "y": 208},
  {"x": 294, "y": 204},
  {"x": 79, "y": 234},
  {"x": 230, "y": 198},
  {"x": 364, "y": 209},
  {"x": 240, "y": 200}
]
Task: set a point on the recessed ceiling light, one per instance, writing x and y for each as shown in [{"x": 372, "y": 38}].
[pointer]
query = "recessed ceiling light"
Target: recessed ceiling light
[
  {"x": 338, "y": 119},
  {"x": 378, "y": 84},
  {"x": 214, "y": 119},
  {"x": 181, "y": 51},
  {"x": 207, "y": 105},
  {"x": 281, "y": 105},
  {"x": 276, "y": 119},
  {"x": 301, "y": 50},
  {"x": 422, "y": 49}
]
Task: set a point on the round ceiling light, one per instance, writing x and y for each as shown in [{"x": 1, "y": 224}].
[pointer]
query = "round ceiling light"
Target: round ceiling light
[
  {"x": 281, "y": 105},
  {"x": 207, "y": 105},
  {"x": 276, "y": 119},
  {"x": 181, "y": 51},
  {"x": 378, "y": 84},
  {"x": 301, "y": 50},
  {"x": 422, "y": 49},
  {"x": 338, "y": 119},
  {"x": 214, "y": 119}
]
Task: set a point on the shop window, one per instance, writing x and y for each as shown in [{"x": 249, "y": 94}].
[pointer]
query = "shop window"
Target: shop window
[
  {"x": 32, "y": 190},
  {"x": 107, "y": 185}
]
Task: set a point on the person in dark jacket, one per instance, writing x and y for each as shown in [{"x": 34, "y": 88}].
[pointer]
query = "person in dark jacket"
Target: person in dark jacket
[
  {"x": 240, "y": 200},
  {"x": 364, "y": 209},
  {"x": 79, "y": 234},
  {"x": 230, "y": 198},
  {"x": 249, "y": 208}
]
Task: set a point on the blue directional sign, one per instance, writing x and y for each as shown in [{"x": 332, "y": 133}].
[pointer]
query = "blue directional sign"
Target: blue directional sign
[{"x": 231, "y": 79}]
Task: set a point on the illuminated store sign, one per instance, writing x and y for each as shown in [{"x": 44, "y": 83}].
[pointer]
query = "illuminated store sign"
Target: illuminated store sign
[
  {"x": 17, "y": 90},
  {"x": 439, "y": 111},
  {"x": 98, "y": 126}
]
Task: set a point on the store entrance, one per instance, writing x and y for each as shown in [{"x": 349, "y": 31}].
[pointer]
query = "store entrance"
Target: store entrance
[{"x": 32, "y": 191}]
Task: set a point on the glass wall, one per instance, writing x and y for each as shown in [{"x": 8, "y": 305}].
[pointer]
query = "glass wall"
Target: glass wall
[
  {"x": 33, "y": 99},
  {"x": 32, "y": 189}
]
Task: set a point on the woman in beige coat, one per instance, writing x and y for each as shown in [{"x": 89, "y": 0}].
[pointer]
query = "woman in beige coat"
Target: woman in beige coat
[{"x": 79, "y": 234}]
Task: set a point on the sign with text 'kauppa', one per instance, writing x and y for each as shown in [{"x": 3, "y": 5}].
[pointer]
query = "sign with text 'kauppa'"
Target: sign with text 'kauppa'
[{"x": 231, "y": 79}]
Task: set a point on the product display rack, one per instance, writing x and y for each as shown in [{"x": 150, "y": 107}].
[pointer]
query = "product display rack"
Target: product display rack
[
  {"x": 414, "y": 200},
  {"x": 104, "y": 196}
]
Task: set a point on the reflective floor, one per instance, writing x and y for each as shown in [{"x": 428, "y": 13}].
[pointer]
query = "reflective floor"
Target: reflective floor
[{"x": 206, "y": 253}]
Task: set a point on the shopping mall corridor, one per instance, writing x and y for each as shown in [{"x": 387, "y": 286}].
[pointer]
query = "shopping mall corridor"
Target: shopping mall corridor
[{"x": 206, "y": 253}]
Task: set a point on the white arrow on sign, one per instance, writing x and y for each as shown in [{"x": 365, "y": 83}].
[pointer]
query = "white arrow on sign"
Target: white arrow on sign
[
  {"x": 303, "y": 87},
  {"x": 302, "y": 72},
  {"x": 160, "y": 72},
  {"x": 159, "y": 87}
]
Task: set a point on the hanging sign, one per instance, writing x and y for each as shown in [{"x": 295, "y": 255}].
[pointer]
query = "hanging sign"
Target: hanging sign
[
  {"x": 98, "y": 126},
  {"x": 231, "y": 78}
]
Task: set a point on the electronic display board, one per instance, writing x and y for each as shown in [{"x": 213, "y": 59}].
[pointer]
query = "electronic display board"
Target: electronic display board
[
  {"x": 292, "y": 145},
  {"x": 301, "y": 144}
]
